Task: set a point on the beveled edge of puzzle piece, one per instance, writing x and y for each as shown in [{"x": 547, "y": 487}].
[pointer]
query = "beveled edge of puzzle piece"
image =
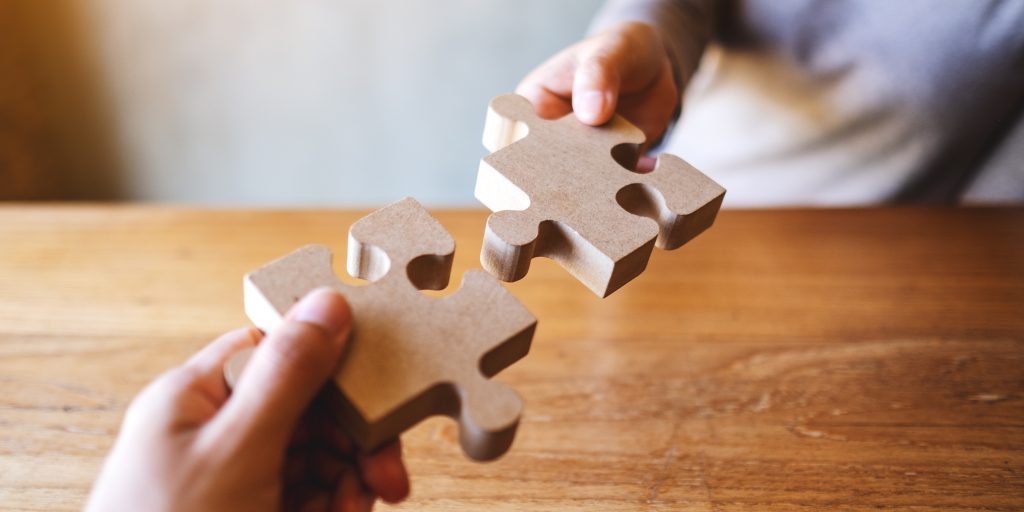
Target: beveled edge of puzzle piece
[
  {"x": 478, "y": 443},
  {"x": 509, "y": 260},
  {"x": 478, "y": 440},
  {"x": 402, "y": 235},
  {"x": 601, "y": 274},
  {"x": 508, "y": 119},
  {"x": 681, "y": 210},
  {"x": 511, "y": 117}
]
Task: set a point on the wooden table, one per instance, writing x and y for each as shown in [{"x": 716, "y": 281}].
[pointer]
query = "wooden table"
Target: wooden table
[{"x": 785, "y": 360}]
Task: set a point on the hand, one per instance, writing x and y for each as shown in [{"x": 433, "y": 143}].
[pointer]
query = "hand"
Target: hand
[
  {"x": 625, "y": 69},
  {"x": 189, "y": 444}
]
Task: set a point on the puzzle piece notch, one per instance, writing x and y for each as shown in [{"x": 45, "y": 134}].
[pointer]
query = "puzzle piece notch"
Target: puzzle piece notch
[
  {"x": 411, "y": 356},
  {"x": 425, "y": 251},
  {"x": 681, "y": 216},
  {"x": 559, "y": 189}
]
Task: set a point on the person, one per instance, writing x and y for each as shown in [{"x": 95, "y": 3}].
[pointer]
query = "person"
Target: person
[
  {"x": 188, "y": 443},
  {"x": 804, "y": 102}
]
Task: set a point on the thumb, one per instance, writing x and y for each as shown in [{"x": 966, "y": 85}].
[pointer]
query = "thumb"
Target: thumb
[
  {"x": 595, "y": 87},
  {"x": 289, "y": 367}
]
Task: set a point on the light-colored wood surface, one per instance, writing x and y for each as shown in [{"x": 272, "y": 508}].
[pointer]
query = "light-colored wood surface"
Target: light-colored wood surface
[
  {"x": 792, "y": 360},
  {"x": 411, "y": 356},
  {"x": 564, "y": 190}
]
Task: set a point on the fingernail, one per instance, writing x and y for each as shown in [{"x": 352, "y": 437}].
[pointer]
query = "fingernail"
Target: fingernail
[
  {"x": 645, "y": 164},
  {"x": 325, "y": 308},
  {"x": 590, "y": 105}
]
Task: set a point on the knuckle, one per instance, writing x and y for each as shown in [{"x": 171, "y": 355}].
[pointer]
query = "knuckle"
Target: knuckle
[
  {"x": 598, "y": 61},
  {"x": 162, "y": 395},
  {"x": 170, "y": 383},
  {"x": 178, "y": 380},
  {"x": 297, "y": 346}
]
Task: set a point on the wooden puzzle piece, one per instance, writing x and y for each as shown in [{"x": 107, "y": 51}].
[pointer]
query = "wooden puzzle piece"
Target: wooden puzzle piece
[
  {"x": 411, "y": 356},
  {"x": 564, "y": 190}
]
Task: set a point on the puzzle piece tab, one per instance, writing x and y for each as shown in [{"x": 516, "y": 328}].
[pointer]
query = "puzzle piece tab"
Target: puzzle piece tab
[
  {"x": 558, "y": 190},
  {"x": 411, "y": 356}
]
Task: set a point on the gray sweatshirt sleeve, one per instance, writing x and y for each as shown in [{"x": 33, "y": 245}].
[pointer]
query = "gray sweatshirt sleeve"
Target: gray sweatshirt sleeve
[{"x": 685, "y": 25}]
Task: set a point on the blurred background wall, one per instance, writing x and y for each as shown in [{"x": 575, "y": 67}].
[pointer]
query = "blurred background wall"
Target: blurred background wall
[{"x": 259, "y": 102}]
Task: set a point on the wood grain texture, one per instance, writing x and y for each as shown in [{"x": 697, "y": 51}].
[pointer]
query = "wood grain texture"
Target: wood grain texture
[{"x": 787, "y": 360}]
